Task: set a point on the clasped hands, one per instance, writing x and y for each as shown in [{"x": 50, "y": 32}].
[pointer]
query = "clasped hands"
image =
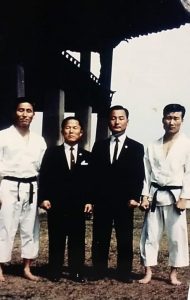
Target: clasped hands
[
  {"x": 133, "y": 203},
  {"x": 145, "y": 204}
]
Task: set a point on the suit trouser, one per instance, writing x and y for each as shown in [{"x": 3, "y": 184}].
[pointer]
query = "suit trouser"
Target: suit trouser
[
  {"x": 165, "y": 218},
  {"x": 66, "y": 227},
  {"x": 105, "y": 217},
  {"x": 14, "y": 213}
]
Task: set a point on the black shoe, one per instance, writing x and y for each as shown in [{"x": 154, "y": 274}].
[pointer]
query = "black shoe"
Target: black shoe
[
  {"x": 77, "y": 277},
  {"x": 54, "y": 278},
  {"x": 95, "y": 277},
  {"x": 124, "y": 278}
]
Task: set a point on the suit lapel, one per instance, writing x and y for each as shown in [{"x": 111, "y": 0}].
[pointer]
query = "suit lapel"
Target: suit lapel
[
  {"x": 80, "y": 156},
  {"x": 106, "y": 150},
  {"x": 124, "y": 148},
  {"x": 63, "y": 159}
]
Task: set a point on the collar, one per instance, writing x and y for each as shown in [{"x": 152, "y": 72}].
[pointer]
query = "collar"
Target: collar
[
  {"x": 121, "y": 137},
  {"x": 67, "y": 147}
]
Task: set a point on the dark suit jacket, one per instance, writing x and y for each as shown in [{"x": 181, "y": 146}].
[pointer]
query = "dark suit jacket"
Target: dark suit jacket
[
  {"x": 65, "y": 189},
  {"x": 122, "y": 180}
]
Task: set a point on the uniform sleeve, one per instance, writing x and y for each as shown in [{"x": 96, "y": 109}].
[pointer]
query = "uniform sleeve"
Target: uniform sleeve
[
  {"x": 185, "y": 192},
  {"x": 148, "y": 171},
  {"x": 43, "y": 149},
  {"x": 2, "y": 143}
]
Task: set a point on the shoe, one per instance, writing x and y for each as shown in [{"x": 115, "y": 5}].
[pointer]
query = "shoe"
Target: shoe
[
  {"x": 77, "y": 277},
  {"x": 54, "y": 274},
  {"x": 124, "y": 278},
  {"x": 55, "y": 278},
  {"x": 95, "y": 277},
  {"x": 98, "y": 274}
]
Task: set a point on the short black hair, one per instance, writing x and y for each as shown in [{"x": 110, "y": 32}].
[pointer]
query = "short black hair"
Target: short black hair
[
  {"x": 173, "y": 108},
  {"x": 22, "y": 100},
  {"x": 119, "y": 107},
  {"x": 64, "y": 122}
]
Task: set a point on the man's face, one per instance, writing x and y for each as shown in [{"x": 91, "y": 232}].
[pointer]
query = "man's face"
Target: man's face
[
  {"x": 72, "y": 132},
  {"x": 172, "y": 122},
  {"x": 24, "y": 115},
  {"x": 118, "y": 121}
]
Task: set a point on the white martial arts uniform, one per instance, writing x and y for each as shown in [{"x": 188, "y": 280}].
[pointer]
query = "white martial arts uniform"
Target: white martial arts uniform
[
  {"x": 21, "y": 159},
  {"x": 170, "y": 170}
]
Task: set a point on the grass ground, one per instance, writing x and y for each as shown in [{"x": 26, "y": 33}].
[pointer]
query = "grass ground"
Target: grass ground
[{"x": 16, "y": 287}]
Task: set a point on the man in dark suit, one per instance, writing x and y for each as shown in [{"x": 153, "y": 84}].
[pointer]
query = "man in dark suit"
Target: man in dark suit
[
  {"x": 118, "y": 173},
  {"x": 63, "y": 192}
]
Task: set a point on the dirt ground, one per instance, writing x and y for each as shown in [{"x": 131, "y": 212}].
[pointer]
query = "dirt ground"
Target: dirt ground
[{"x": 17, "y": 287}]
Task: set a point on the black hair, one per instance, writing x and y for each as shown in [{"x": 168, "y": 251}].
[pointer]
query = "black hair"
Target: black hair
[
  {"x": 64, "y": 122},
  {"x": 22, "y": 100},
  {"x": 174, "y": 108},
  {"x": 119, "y": 107}
]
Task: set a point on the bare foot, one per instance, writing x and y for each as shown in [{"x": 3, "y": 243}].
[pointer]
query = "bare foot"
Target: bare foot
[
  {"x": 2, "y": 278},
  {"x": 146, "y": 279},
  {"x": 173, "y": 277},
  {"x": 148, "y": 276},
  {"x": 174, "y": 280},
  {"x": 30, "y": 276}
]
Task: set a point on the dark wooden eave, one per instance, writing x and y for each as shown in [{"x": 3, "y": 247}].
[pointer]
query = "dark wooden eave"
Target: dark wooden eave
[{"x": 38, "y": 26}]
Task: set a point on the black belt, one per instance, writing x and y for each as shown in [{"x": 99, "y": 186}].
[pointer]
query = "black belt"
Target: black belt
[
  {"x": 24, "y": 180},
  {"x": 167, "y": 188}
]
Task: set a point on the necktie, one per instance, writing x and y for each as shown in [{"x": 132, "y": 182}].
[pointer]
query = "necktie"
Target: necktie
[
  {"x": 72, "y": 158},
  {"x": 115, "y": 150}
]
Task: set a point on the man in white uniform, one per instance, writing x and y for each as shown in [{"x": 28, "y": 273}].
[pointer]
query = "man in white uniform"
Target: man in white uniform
[
  {"x": 21, "y": 152},
  {"x": 166, "y": 189}
]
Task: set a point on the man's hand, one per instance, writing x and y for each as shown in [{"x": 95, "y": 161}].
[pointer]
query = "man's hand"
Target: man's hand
[
  {"x": 181, "y": 204},
  {"x": 133, "y": 203},
  {"x": 145, "y": 204},
  {"x": 46, "y": 204},
  {"x": 88, "y": 208}
]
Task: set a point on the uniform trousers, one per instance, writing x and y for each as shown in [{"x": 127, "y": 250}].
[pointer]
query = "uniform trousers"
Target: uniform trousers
[
  {"x": 165, "y": 218},
  {"x": 14, "y": 213}
]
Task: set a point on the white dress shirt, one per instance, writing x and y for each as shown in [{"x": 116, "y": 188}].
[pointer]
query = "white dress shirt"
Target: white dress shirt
[
  {"x": 121, "y": 140},
  {"x": 68, "y": 153}
]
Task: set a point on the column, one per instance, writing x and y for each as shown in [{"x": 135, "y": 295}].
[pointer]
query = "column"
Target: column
[
  {"x": 85, "y": 116},
  {"x": 53, "y": 116},
  {"x": 105, "y": 81}
]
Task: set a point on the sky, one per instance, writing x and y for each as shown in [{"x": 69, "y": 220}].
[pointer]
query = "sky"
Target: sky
[{"x": 148, "y": 73}]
